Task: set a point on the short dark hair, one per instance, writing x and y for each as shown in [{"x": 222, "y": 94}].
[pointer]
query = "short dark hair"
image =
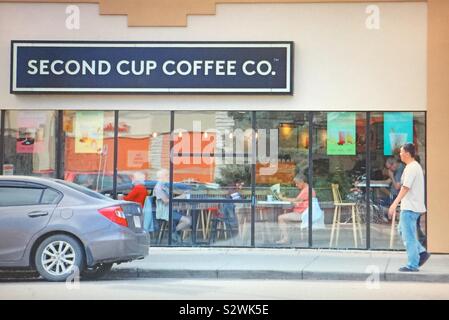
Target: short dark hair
[
  {"x": 300, "y": 177},
  {"x": 410, "y": 148}
]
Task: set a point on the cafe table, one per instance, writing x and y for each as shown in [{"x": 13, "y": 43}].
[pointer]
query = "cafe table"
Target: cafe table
[{"x": 263, "y": 209}]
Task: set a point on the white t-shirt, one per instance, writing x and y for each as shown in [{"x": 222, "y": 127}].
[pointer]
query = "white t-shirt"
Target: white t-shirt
[{"x": 413, "y": 178}]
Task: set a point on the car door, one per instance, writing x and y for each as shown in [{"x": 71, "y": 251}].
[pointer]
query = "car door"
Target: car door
[{"x": 25, "y": 209}]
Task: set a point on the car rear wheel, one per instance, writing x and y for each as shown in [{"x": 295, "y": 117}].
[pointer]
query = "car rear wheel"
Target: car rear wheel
[
  {"x": 58, "y": 257},
  {"x": 96, "y": 272}
]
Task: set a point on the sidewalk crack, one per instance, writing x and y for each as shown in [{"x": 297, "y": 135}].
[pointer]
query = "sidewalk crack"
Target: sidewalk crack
[
  {"x": 307, "y": 265},
  {"x": 386, "y": 268}
]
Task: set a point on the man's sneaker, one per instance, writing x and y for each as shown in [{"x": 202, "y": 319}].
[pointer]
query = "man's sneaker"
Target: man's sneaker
[
  {"x": 423, "y": 257},
  {"x": 407, "y": 269}
]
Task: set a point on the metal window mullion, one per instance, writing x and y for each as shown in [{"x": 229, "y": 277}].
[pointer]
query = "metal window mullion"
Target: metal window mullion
[
  {"x": 253, "y": 177},
  {"x": 425, "y": 170},
  {"x": 59, "y": 144},
  {"x": 310, "y": 177},
  {"x": 210, "y": 200},
  {"x": 170, "y": 202},
  {"x": 2, "y": 140},
  {"x": 368, "y": 180},
  {"x": 114, "y": 177}
]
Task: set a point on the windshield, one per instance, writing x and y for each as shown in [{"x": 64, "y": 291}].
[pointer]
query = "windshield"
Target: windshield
[{"x": 83, "y": 190}]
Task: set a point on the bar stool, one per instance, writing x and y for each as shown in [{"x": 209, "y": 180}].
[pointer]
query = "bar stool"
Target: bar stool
[
  {"x": 219, "y": 225},
  {"x": 162, "y": 228},
  {"x": 355, "y": 216}
]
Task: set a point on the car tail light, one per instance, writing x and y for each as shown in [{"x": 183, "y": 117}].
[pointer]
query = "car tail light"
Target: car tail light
[{"x": 115, "y": 214}]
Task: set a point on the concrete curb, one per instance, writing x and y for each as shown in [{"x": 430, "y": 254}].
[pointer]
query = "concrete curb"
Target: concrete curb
[{"x": 123, "y": 273}]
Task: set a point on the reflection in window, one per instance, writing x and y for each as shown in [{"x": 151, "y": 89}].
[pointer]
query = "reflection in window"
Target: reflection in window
[
  {"x": 339, "y": 158},
  {"x": 212, "y": 151},
  {"x": 390, "y": 130},
  {"x": 89, "y": 148},
  {"x": 212, "y": 156},
  {"x": 282, "y": 154},
  {"x": 30, "y": 143}
]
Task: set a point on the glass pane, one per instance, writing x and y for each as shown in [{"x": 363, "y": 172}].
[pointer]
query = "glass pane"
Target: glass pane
[
  {"x": 30, "y": 143},
  {"x": 207, "y": 224},
  {"x": 211, "y": 152},
  {"x": 8, "y": 196},
  {"x": 143, "y": 148},
  {"x": 282, "y": 204},
  {"x": 89, "y": 148},
  {"x": 389, "y": 130},
  {"x": 50, "y": 197},
  {"x": 339, "y": 166}
]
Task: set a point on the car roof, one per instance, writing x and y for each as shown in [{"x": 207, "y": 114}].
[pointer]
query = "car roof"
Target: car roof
[
  {"x": 26, "y": 179},
  {"x": 47, "y": 182}
]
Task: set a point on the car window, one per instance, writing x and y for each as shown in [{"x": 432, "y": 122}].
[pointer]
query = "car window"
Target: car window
[
  {"x": 14, "y": 196},
  {"x": 50, "y": 197}
]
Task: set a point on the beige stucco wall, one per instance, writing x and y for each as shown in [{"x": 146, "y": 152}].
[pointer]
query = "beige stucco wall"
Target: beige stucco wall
[
  {"x": 339, "y": 63},
  {"x": 437, "y": 127}
]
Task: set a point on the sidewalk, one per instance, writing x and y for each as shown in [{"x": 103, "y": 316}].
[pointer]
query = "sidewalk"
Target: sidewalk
[{"x": 303, "y": 264}]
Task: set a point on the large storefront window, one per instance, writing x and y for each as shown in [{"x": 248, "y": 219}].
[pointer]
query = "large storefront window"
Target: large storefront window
[
  {"x": 143, "y": 146},
  {"x": 212, "y": 163},
  {"x": 143, "y": 152},
  {"x": 232, "y": 178},
  {"x": 390, "y": 130},
  {"x": 282, "y": 155},
  {"x": 29, "y": 143},
  {"x": 89, "y": 149},
  {"x": 339, "y": 164}
]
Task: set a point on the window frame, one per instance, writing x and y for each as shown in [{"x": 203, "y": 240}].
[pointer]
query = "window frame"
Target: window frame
[{"x": 30, "y": 185}]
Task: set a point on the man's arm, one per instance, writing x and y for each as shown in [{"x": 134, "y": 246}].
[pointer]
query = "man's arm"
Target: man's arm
[{"x": 398, "y": 199}]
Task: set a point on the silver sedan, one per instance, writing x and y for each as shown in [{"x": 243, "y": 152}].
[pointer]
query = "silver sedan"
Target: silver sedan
[{"x": 60, "y": 228}]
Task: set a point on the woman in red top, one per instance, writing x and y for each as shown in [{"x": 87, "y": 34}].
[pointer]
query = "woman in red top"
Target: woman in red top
[
  {"x": 301, "y": 203},
  {"x": 139, "y": 192}
]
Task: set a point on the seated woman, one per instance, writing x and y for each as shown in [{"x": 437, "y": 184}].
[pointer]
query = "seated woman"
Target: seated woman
[
  {"x": 161, "y": 193},
  {"x": 138, "y": 193},
  {"x": 301, "y": 203}
]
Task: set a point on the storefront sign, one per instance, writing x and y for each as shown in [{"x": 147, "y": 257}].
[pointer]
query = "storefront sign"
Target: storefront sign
[{"x": 175, "y": 67}]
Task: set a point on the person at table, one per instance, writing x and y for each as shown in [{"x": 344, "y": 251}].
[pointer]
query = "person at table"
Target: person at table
[
  {"x": 301, "y": 203},
  {"x": 228, "y": 209},
  {"x": 161, "y": 193},
  {"x": 394, "y": 169},
  {"x": 139, "y": 192}
]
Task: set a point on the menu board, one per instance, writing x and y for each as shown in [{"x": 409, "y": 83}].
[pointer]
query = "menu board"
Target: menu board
[
  {"x": 398, "y": 130},
  {"x": 341, "y": 133}
]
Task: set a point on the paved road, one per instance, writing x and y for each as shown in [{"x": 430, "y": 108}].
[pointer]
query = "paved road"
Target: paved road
[{"x": 207, "y": 289}]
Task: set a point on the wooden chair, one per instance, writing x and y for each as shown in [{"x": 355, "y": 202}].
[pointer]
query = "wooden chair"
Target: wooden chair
[{"x": 355, "y": 217}]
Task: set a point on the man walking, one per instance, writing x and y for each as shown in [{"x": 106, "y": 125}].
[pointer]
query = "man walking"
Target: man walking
[{"x": 411, "y": 197}]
